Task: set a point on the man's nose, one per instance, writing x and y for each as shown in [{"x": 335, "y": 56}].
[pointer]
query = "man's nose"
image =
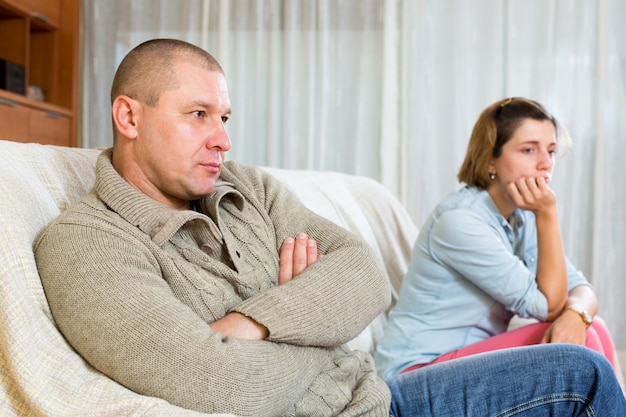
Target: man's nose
[{"x": 219, "y": 138}]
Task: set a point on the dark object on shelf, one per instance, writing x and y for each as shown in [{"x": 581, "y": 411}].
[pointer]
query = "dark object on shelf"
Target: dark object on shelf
[{"x": 12, "y": 77}]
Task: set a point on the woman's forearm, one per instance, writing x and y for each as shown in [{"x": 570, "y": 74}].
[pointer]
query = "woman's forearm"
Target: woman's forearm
[{"x": 551, "y": 268}]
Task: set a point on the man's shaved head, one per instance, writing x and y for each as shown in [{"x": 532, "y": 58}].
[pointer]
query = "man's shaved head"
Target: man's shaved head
[{"x": 149, "y": 69}]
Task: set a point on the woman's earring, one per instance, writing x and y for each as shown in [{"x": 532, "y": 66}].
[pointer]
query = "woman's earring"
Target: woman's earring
[{"x": 492, "y": 175}]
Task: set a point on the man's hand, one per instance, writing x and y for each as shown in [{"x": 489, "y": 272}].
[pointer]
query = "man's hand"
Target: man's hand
[
  {"x": 296, "y": 255},
  {"x": 239, "y": 326}
]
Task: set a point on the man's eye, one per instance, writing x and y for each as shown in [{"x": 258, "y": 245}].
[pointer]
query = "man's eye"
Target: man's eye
[
  {"x": 224, "y": 119},
  {"x": 198, "y": 113}
]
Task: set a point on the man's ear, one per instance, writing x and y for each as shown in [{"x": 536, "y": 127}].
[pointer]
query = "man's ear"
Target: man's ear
[{"x": 125, "y": 111}]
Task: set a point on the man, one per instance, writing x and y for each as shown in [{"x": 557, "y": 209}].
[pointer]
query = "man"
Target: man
[{"x": 179, "y": 276}]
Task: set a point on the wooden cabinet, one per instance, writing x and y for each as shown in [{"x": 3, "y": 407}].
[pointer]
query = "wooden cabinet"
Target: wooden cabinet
[
  {"x": 21, "y": 121},
  {"x": 40, "y": 38},
  {"x": 14, "y": 121},
  {"x": 47, "y": 11}
]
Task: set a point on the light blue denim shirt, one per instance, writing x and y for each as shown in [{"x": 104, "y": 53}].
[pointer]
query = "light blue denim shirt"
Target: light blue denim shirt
[{"x": 470, "y": 272}]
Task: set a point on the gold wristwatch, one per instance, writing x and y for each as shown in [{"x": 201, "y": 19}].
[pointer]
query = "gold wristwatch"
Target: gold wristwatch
[{"x": 584, "y": 314}]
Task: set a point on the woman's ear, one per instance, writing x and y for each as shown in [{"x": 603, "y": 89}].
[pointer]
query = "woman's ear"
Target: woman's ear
[
  {"x": 125, "y": 111},
  {"x": 491, "y": 170}
]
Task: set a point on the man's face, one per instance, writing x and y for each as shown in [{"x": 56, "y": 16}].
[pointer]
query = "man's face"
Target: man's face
[{"x": 181, "y": 141}]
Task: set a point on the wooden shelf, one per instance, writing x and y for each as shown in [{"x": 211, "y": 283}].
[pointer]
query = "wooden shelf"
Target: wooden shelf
[{"x": 41, "y": 36}]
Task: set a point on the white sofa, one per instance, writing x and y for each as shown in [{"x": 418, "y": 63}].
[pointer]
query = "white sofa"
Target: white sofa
[{"x": 40, "y": 374}]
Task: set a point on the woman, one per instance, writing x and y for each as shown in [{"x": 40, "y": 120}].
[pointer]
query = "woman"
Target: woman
[{"x": 493, "y": 250}]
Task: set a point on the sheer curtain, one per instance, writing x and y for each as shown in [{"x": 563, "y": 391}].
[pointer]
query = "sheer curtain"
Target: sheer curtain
[{"x": 390, "y": 89}]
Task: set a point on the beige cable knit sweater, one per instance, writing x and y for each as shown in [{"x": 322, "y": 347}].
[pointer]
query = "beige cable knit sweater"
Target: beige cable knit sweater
[{"x": 133, "y": 284}]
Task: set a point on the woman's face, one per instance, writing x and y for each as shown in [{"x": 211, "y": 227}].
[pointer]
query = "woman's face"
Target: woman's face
[{"x": 529, "y": 153}]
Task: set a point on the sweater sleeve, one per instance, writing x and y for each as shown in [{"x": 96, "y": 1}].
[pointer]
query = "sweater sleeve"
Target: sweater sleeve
[
  {"x": 331, "y": 301},
  {"x": 109, "y": 299}
]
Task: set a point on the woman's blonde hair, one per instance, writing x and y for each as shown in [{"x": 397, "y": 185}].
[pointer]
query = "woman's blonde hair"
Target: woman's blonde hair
[{"x": 495, "y": 127}]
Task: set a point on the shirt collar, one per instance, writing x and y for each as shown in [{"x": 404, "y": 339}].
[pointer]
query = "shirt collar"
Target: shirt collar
[{"x": 516, "y": 220}]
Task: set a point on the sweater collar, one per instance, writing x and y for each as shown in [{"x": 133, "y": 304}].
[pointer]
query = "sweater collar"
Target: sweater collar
[{"x": 154, "y": 219}]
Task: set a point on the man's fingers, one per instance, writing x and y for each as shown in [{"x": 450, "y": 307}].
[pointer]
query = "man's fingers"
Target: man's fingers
[
  {"x": 311, "y": 252},
  {"x": 295, "y": 256},
  {"x": 300, "y": 255},
  {"x": 285, "y": 264}
]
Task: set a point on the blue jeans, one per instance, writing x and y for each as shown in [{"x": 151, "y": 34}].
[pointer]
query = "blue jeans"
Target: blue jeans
[{"x": 541, "y": 380}]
